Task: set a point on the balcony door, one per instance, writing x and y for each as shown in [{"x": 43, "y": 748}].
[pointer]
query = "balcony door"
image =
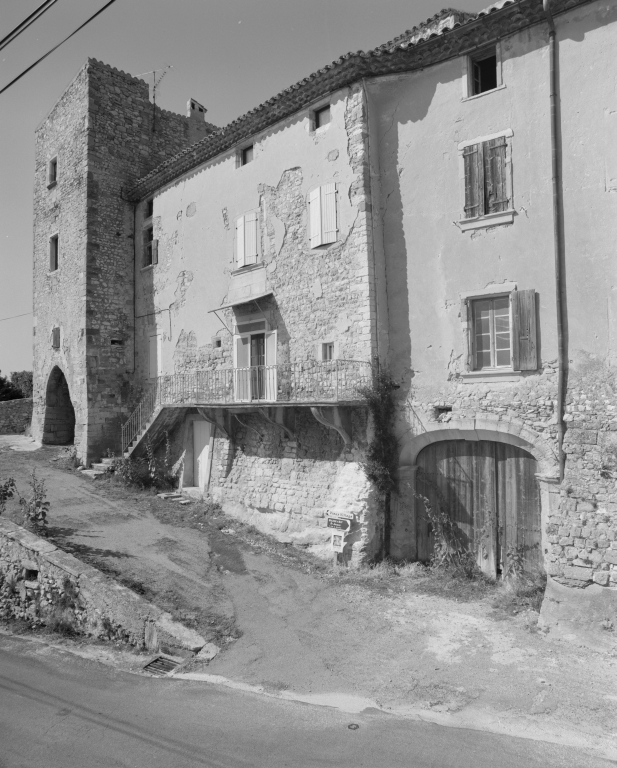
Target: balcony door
[{"x": 255, "y": 375}]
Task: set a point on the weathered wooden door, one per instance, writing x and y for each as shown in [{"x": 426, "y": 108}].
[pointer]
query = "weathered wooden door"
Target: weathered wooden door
[{"x": 489, "y": 490}]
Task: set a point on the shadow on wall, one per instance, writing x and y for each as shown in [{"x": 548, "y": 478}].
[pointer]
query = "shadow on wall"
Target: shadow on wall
[{"x": 59, "y": 424}]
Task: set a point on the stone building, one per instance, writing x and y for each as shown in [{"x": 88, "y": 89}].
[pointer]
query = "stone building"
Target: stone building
[{"x": 230, "y": 288}]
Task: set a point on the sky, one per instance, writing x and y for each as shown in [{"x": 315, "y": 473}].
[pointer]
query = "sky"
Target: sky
[{"x": 230, "y": 55}]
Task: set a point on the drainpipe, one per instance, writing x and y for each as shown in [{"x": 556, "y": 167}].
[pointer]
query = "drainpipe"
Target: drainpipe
[{"x": 560, "y": 292}]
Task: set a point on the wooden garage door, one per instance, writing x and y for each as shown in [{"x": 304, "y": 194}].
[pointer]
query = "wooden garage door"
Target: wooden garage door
[{"x": 491, "y": 492}]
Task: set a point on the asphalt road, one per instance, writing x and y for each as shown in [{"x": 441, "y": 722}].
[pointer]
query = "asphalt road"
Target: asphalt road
[{"x": 58, "y": 710}]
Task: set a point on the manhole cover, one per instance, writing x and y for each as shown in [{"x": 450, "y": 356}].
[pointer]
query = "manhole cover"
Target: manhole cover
[{"x": 161, "y": 666}]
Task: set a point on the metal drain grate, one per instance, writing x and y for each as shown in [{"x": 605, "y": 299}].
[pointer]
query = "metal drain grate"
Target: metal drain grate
[{"x": 161, "y": 666}]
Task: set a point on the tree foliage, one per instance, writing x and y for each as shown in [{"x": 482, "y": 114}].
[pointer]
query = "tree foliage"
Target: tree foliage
[
  {"x": 23, "y": 381},
  {"x": 8, "y": 391}
]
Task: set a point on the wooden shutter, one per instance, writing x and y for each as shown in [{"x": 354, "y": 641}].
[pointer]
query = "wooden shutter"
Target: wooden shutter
[
  {"x": 524, "y": 332},
  {"x": 495, "y": 176},
  {"x": 315, "y": 217},
  {"x": 467, "y": 314},
  {"x": 155, "y": 251},
  {"x": 251, "y": 238},
  {"x": 240, "y": 248},
  {"x": 55, "y": 338},
  {"x": 473, "y": 157},
  {"x": 242, "y": 372},
  {"x": 328, "y": 214},
  {"x": 271, "y": 370},
  {"x": 153, "y": 358}
]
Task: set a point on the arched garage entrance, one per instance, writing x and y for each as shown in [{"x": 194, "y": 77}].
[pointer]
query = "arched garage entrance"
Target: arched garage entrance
[
  {"x": 490, "y": 490},
  {"x": 59, "y": 424}
]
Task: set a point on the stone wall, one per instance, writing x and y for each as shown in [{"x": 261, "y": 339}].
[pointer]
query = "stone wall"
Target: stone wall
[
  {"x": 15, "y": 416},
  {"x": 287, "y": 486},
  {"x": 34, "y": 575}
]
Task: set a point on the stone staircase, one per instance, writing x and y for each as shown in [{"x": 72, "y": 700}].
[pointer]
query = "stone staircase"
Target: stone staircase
[
  {"x": 162, "y": 420},
  {"x": 98, "y": 468}
]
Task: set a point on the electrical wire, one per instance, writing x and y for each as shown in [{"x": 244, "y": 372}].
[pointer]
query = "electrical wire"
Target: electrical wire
[
  {"x": 32, "y": 66},
  {"x": 26, "y": 23},
  {"x": 2, "y": 319}
]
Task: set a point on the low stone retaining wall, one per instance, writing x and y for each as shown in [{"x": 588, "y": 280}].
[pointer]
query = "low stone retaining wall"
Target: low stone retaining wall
[
  {"x": 38, "y": 581},
  {"x": 15, "y": 416}
]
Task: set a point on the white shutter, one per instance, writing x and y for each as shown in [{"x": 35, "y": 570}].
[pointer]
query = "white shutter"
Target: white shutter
[
  {"x": 328, "y": 214},
  {"x": 242, "y": 372},
  {"x": 251, "y": 238},
  {"x": 240, "y": 250},
  {"x": 315, "y": 217},
  {"x": 271, "y": 370}
]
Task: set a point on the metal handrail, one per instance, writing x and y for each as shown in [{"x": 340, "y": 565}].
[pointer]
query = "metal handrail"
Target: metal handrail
[{"x": 306, "y": 381}]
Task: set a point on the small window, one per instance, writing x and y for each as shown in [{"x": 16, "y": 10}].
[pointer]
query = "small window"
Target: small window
[
  {"x": 52, "y": 172},
  {"x": 218, "y": 343},
  {"x": 322, "y": 117},
  {"x": 55, "y": 338},
  {"x": 488, "y": 187},
  {"x": 149, "y": 208},
  {"x": 323, "y": 228},
  {"x": 151, "y": 251},
  {"x": 327, "y": 351},
  {"x": 117, "y": 343},
  {"x": 503, "y": 332},
  {"x": 483, "y": 72},
  {"x": 53, "y": 253},
  {"x": 246, "y": 155}
]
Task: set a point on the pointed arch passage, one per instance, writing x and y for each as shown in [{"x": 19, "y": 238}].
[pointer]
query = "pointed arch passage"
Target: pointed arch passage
[{"x": 59, "y": 424}]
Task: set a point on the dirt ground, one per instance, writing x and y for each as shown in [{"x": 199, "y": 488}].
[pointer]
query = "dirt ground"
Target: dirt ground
[{"x": 288, "y": 623}]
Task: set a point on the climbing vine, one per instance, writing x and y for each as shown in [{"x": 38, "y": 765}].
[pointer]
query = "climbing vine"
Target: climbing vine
[{"x": 381, "y": 456}]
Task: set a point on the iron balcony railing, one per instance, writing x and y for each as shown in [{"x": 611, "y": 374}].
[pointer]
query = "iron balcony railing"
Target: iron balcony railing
[{"x": 308, "y": 382}]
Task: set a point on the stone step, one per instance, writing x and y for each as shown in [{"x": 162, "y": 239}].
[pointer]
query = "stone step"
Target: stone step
[
  {"x": 168, "y": 496},
  {"x": 99, "y": 466},
  {"x": 92, "y": 473},
  {"x": 108, "y": 461}
]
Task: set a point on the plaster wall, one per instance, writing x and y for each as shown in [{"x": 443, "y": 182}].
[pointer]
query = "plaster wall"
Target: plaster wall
[{"x": 419, "y": 120}]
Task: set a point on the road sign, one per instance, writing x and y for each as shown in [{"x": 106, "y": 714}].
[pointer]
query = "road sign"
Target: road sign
[
  {"x": 339, "y": 524},
  {"x": 338, "y": 541},
  {"x": 346, "y": 515}
]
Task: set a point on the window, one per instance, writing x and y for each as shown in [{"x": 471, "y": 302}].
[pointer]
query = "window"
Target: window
[
  {"x": 247, "y": 239},
  {"x": 117, "y": 342},
  {"x": 151, "y": 248},
  {"x": 487, "y": 174},
  {"x": 322, "y": 215},
  {"x": 322, "y": 117},
  {"x": 327, "y": 350},
  {"x": 52, "y": 173},
  {"x": 55, "y": 338},
  {"x": 502, "y": 332},
  {"x": 246, "y": 155},
  {"x": 149, "y": 208},
  {"x": 53, "y": 253},
  {"x": 483, "y": 72}
]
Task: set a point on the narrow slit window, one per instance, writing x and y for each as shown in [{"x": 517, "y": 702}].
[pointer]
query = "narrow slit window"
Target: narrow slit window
[
  {"x": 327, "y": 351},
  {"x": 52, "y": 172},
  {"x": 491, "y": 333},
  {"x": 246, "y": 156},
  {"x": 322, "y": 117},
  {"x": 149, "y": 208},
  {"x": 150, "y": 248},
  {"x": 53, "y": 253},
  {"x": 55, "y": 338}
]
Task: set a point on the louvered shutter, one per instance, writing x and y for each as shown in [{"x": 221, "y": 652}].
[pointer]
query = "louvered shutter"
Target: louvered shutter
[
  {"x": 467, "y": 313},
  {"x": 55, "y": 338},
  {"x": 242, "y": 372},
  {"x": 495, "y": 175},
  {"x": 271, "y": 370},
  {"x": 155, "y": 251},
  {"x": 251, "y": 238},
  {"x": 315, "y": 234},
  {"x": 153, "y": 361},
  {"x": 240, "y": 248},
  {"x": 473, "y": 157},
  {"x": 524, "y": 331},
  {"x": 328, "y": 214}
]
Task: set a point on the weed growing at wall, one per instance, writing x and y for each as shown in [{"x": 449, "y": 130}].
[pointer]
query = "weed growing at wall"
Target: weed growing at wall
[
  {"x": 149, "y": 471},
  {"x": 7, "y": 491},
  {"x": 35, "y": 507},
  {"x": 381, "y": 456}
]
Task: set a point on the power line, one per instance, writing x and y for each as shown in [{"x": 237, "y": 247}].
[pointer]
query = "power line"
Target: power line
[
  {"x": 26, "y": 23},
  {"x": 2, "y": 319},
  {"x": 32, "y": 66}
]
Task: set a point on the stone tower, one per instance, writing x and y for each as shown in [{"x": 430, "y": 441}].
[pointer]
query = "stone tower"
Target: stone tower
[{"x": 100, "y": 137}]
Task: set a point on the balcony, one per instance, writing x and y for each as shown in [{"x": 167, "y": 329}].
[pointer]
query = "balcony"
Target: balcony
[{"x": 310, "y": 382}]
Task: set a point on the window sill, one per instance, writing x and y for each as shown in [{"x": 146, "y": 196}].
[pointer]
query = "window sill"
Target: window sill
[
  {"x": 248, "y": 268},
  {"x": 490, "y": 220},
  {"x": 53, "y": 272},
  {"x": 479, "y": 95},
  {"x": 52, "y": 184},
  {"x": 486, "y": 376},
  {"x": 148, "y": 266}
]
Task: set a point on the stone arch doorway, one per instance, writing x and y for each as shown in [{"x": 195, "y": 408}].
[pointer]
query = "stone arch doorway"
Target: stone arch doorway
[
  {"x": 489, "y": 490},
  {"x": 59, "y": 423}
]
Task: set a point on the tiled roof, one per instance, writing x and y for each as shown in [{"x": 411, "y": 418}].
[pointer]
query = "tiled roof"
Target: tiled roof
[{"x": 444, "y": 36}]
